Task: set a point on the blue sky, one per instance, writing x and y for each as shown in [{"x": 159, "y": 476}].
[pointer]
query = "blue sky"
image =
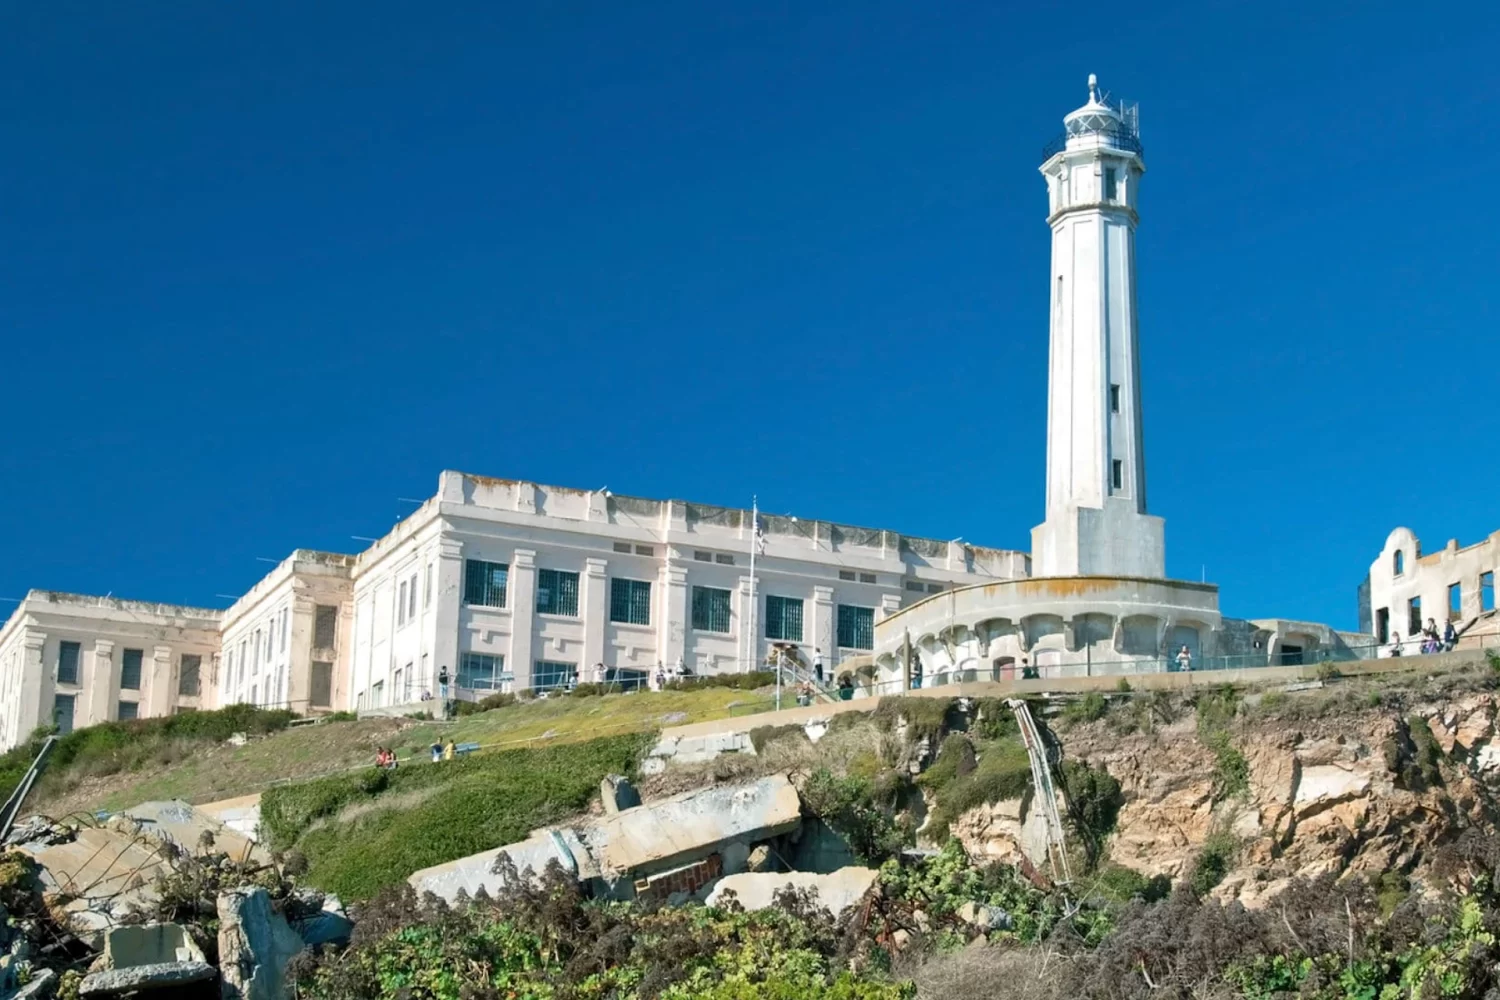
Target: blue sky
[{"x": 265, "y": 268}]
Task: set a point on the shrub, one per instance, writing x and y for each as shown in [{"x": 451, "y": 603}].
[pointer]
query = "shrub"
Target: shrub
[
  {"x": 1214, "y": 861},
  {"x": 925, "y": 718},
  {"x": 1328, "y": 671},
  {"x": 1231, "y": 770},
  {"x": 1090, "y": 708},
  {"x": 762, "y": 735},
  {"x": 955, "y": 759},
  {"x": 751, "y": 681},
  {"x": 1094, "y": 801},
  {"x": 994, "y": 719},
  {"x": 1003, "y": 772},
  {"x": 341, "y": 717},
  {"x": 859, "y": 809}
]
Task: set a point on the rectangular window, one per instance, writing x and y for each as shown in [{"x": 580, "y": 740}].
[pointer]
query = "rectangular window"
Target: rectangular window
[
  {"x": 846, "y": 574},
  {"x": 1487, "y": 591},
  {"x": 401, "y": 604},
  {"x": 484, "y": 583},
  {"x": 1111, "y": 184},
  {"x": 188, "y": 679},
  {"x": 556, "y": 592},
  {"x": 325, "y": 626},
  {"x": 644, "y": 550},
  {"x": 856, "y": 627},
  {"x": 707, "y": 557},
  {"x": 129, "y": 710},
  {"x": 1383, "y": 626},
  {"x": 550, "y": 676},
  {"x": 1414, "y": 616},
  {"x": 255, "y": 694},
  {"x": 915, "y": 585},
  {"x": 934, "y": 588},
  {"x": 867, "y": 578},
  {"x": 1117, "y": 474},
  {"x": 62, "y": 713},
  {"x": 480, "y": 671},
  {"x": 622, "y": 547},
  {"x": 67, "y": 664},
  {"x": 130, "y": 670},
  {"x": 784, "y": 618},
  {"x": 1455, "y": 600},
  {"x": 321, "y": 694},
  {"x": 711, "y": 609},
  {"x": 724, "y": 559},
  {"x": 427, "y": 587},
  {"x": 411, "y": 599},
  {"x": 1114, "y": 399},
  {"x": 630, "y": 601},
  {"x": 283, "y": 629}
]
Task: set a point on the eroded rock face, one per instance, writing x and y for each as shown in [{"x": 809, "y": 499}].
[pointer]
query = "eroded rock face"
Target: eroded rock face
[{"x": 1324, "y": 796}]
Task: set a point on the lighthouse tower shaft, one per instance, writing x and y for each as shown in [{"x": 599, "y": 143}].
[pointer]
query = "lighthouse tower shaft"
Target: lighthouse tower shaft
[{"x": 1096, "y": 523}]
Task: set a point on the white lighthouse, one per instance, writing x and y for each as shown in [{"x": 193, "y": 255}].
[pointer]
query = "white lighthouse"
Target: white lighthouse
[{"x": 1096, "y": 522}]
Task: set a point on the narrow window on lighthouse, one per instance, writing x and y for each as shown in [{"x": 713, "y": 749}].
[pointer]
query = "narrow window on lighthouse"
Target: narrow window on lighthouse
[
  {"x": 1111, "y": 186},
  {"x": 1118, "y": 474},
  {"x": 1114, "y": 399}
]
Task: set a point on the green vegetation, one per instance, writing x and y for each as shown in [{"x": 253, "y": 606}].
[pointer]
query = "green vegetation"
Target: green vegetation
[
  {"x": 1122, "y": 885},
  {"x": 924, "y": 718},
  {"x": 761, "y": 735},
  {"x": 1090, "y": 708},
  {"x": 360, "y": 832},
  {"x": 751, "y": 681},
  {"x": 1217, "y": 710},
  {"x": 1214, "y": 861},
  {"x": 862, "y": 809},
  {"x": 1094, "y": 802},
  {"x": 121, "y": 747},
  {"x": 1002, "y": 771}
]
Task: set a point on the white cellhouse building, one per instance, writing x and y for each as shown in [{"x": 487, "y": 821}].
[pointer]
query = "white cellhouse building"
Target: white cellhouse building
[
  {"x": 517, "y": 585},
  {"x": 1100, "y": 601}
]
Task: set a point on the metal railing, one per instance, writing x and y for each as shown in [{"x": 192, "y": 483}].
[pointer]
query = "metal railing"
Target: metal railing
[{"x": 1118, "y": 138}]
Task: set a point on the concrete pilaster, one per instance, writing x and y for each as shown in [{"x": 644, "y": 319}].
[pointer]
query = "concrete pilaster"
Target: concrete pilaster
[
  {"x": 595, "y": 611},
  {"x": 889, "y": 605},
  {"x": 37, "y": 685},
  {"x": 672, "y": 633},
  {"x": 448, "y": 599},
  {"x": 824, "y": 632},
  {"x": 100, "y": 686},
  {"x": 752, "y": 622},
  {"x": 159, "y": 686},
  {"x": 522, "y": 603}
]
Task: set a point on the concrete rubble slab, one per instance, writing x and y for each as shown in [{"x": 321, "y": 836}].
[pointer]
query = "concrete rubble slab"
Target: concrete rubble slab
[
  {"x": 255, "y": 946},
  {"x": 185, "y": 826},
  {"x": 145, "y": 979},
  {"x": 99, "y": 877},
  {"x": 241, "y": 814},
  {"x": 837, "y": 891},
  {"x": 654, "y": 837},
  {"x": 148, "y": 944}
]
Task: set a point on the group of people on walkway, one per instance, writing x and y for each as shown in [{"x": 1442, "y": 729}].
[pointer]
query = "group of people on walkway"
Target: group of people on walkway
[
  {"x": 385, "y": 758},
  {"x": 1431, "y": 640}
]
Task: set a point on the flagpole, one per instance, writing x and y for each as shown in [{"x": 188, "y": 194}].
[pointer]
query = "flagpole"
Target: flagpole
[{"x": 750, "y": 643}]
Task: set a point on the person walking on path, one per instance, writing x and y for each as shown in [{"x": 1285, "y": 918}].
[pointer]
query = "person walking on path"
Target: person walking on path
[
  {"x": 437, "y": 752},
  {"x": 1450, "y": 636},
  {"x": 818, "y": 665},
  {"x": 449, "y": 750}
]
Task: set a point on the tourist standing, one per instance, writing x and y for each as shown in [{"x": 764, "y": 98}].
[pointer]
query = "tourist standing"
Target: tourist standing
[
  {"x": 818, "y": 664},
  {"x": 1185, "y": 659},
  {"x": 1450, "y": 636}
]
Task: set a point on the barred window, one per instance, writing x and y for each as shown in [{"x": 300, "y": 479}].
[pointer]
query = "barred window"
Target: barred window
[
  {"x": 784, "y": 618},
  {"x": 480, "y": 671},
  {"x": 934, "y": 588},
  {"x": 325, "y": 625},
  {"x": 550, "y": 675},
  {"x": 630, "y": 601},
  {"x": 700, "y": 556},
  {"x": 67, "y": 664},
  {"x": 484, "y": 583},
  {"x": 915, "y": 585},
  {"x": 129, "y": 710},
  {"x": 188, "y": 681},
  {"x": 856, "y": 627},
  {"x": 644, "y": 550},
  {"x": 867, "y": 578},
  {"x": 401, "y": 605},
  {"x": 846, "y": 574},
  {"x": 130, "y": 670},
  {"x": 710, "y": 609},
  {"x": 724, "y": 559},
  {"x": 622, "y": 547},
  {"x": 321, "y": 695},
  {"x": 556, "y": 592}
]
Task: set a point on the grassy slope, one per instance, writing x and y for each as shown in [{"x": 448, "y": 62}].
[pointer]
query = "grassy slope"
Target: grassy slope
[
  {"x": 369, "y": 829},
  {"x": 218, "y": 771}
]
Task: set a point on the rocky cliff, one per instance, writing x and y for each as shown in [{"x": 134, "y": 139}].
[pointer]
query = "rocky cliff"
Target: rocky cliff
[{"x": 1341, "y": 779}]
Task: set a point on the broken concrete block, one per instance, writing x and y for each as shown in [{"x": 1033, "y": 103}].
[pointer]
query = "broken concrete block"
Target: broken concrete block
[
  {"x": 43, "y": 984},
  {"x": 255, "y": 945},
  {"x": 148, "y": 944},
  {"x": 984, "y": 918},
  {"x": 836, "y": 892},
  {"x": 145, "y": 978},
  {"x": 39, "y": 830},
  {"x": 617, "y": 794}
]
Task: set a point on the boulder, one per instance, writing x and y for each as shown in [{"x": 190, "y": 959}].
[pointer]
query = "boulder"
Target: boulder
[
  {"x": 330, "y": 925},
  {"x": 984, "y": 918},
  {"x": 145, "y": 979},
  {"x": 255, "y": 945}
]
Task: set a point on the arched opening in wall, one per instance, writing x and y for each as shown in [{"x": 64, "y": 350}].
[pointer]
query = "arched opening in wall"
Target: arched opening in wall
[
  {"x": 1039, "y": 627},
  {"x": 1398, "y": 563},
  {"x": 1047, "y": 661},
  {"x": 1184, "y": 636},
  {"x": 1298, "y": 648},
  {"x": 1004, "y": 668},
  {"x": 1138, "y": 636},
  {"x": 1093, "y": 632}
]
